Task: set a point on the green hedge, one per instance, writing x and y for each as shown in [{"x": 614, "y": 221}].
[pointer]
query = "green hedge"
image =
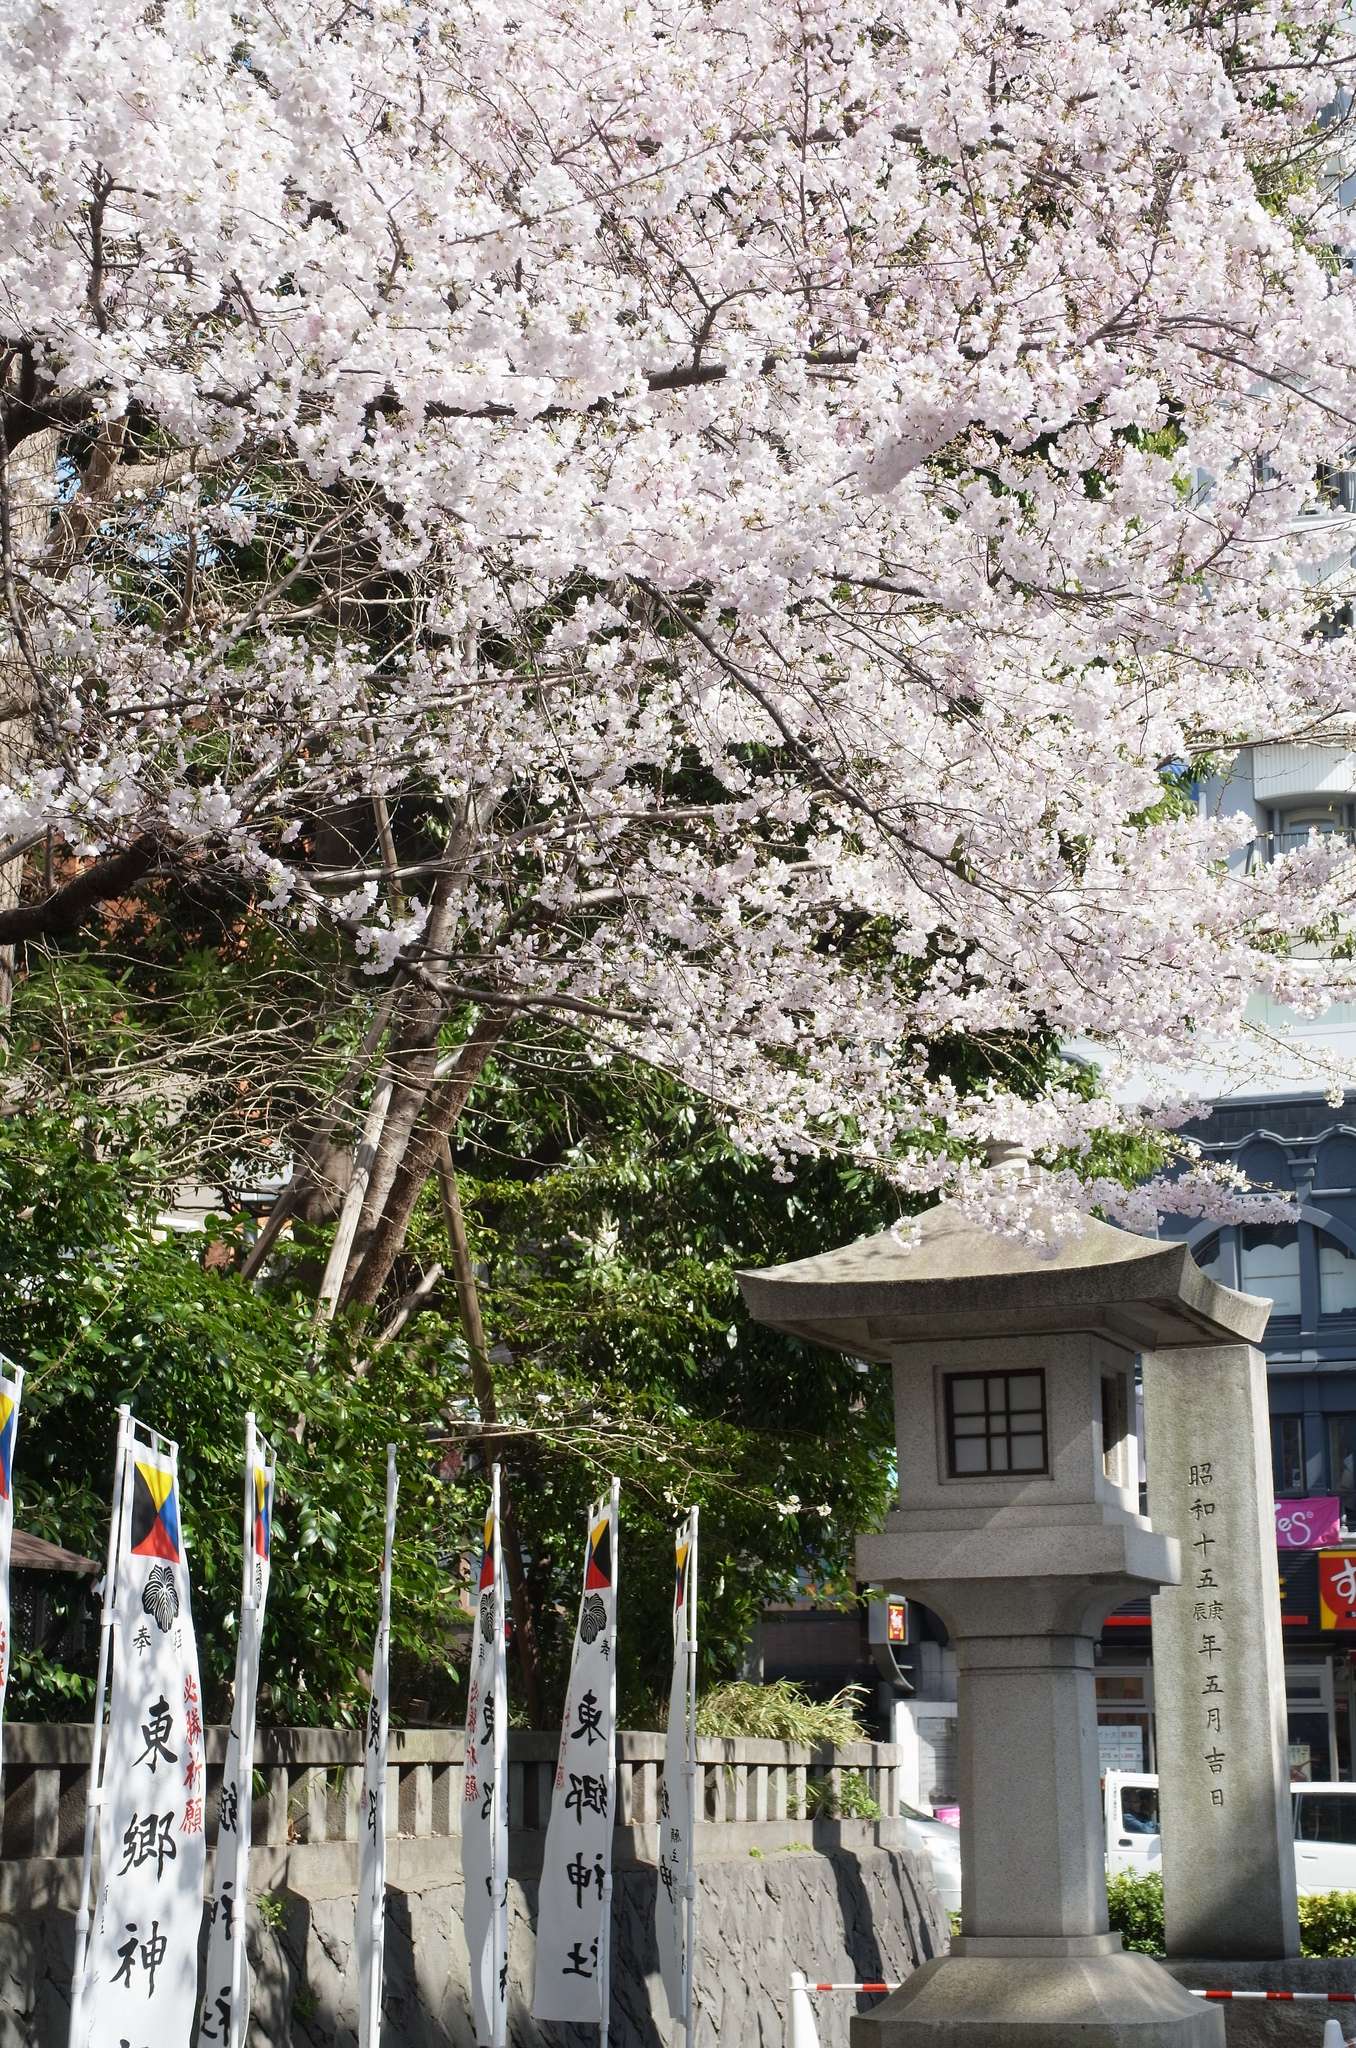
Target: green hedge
[
  {"x": 1328, "y": 1924},
  {"x": 1135, "y": 1905}
]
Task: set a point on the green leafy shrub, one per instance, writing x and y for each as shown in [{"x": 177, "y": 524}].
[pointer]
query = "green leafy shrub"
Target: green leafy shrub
[
  {"x": 1328, "y": 1924},
  {"x": 1135, "y": 1908},
  {"x": 853, "y": 1800},
  {"x": 103, "y": 1306},
  {"x": 1135, "y": 1905},
  {"x": 781, "y": 1712}
]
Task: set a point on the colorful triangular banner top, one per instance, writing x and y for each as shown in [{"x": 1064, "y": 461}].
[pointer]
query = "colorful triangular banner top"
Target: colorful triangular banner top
[
  {"x": 155, "y": 1513},
  {"x": 487, "y": 1557},
  {"x": 598, "y": 1572},
  {"x": 263, "y": 1514},
  {"x": 7, "y": 1410}
]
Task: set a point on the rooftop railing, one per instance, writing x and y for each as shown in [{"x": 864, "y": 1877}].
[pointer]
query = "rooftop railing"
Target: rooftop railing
[{"x": 1269, "y": 846}]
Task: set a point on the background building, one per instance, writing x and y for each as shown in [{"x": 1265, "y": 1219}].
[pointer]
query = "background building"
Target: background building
[
  {"x": 1307, "y": 1268},
  {"x": 1287, "y": 1135}
]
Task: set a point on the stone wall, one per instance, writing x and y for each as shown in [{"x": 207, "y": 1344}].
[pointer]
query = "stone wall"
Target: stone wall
[{"x": 844, "y": 1906}]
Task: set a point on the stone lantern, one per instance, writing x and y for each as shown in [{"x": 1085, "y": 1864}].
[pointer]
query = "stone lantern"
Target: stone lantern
[{"x": 1019, "y": 1525}]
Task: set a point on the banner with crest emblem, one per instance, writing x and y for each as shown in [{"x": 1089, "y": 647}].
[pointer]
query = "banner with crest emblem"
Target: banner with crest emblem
[
  {"x": 137, "y": 1974},
  {"x": 11, "y": 1389},
  {"x": 676, "y": 1895},
  {"x": 370, "y": 1927},
  {"x": 226, "y": 1992},
  {"x": 575, "y": 1902},
  {"x": 484, "y": 1809}
]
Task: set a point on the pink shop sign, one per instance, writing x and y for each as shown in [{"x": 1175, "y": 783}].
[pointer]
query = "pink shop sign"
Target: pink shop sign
[{"x": 1308, "y": 1524}]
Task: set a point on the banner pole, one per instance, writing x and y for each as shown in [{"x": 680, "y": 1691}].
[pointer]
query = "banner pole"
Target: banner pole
[
  {"x": 605, "y": 1931},
  {"x": 94, "y": 1795},
  {"x": 498, "y": 1876},
  {"x": 244, "y": 1755},
  {"x": 376, "y": 1986},
  {"x": 16, "y": 1375},
  {"x": 689, "y": 1989}
]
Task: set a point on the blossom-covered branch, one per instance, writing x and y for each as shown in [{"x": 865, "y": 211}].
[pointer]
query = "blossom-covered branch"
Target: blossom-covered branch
[{"x": 761, "y": 497}]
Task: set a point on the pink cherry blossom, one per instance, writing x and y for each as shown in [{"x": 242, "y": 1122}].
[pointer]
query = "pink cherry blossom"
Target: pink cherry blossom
[{"x": 785, "y": 480}]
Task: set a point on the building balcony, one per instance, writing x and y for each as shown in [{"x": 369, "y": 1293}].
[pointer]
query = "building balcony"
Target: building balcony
[
  {"x": 1269, "y": 846},
  {"x": 1299, "y": 772}
]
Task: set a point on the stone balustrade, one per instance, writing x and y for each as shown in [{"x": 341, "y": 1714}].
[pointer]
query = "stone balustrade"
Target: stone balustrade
[{"x": 308, "y": 1783}]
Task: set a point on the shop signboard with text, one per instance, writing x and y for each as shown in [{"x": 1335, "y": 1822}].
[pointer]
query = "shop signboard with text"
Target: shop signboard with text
[
  {"x": 1121, "y": 1745},
  {"x": 1309, "y": 1524},
  {"x": 1337, "y": 1588}
]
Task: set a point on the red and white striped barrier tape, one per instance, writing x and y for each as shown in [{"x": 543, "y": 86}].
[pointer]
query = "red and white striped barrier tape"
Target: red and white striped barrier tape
[{"x": 1286, "y": 1997}]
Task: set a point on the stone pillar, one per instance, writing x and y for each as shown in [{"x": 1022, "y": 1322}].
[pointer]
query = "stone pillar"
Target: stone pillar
[
  {"x": 1027, "y": 1723},
  {"x": 1219, "y": 1674},
  {"x": 1035, "y": 1965}
]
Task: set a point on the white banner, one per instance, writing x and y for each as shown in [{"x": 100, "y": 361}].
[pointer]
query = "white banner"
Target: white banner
[
  {"x": 371, "y": 1920},
  {"x": 226, "y": 1994},
  {"x": 11, "y": 1388},
  {"x": 675, "y": 1894},
  {"x": 484, "y": 1812},
  {"x": 141, "y": 1980},
  {"x": 574, "y": 1904}
]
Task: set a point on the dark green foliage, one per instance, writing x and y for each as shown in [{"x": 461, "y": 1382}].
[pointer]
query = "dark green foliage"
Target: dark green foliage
[
  {"x": 102, "y": 1308},
  {"x": 610, "y": 1215}
]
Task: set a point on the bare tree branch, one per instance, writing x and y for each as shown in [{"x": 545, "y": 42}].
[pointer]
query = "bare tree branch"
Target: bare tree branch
[{"x": 66, "y": 909}]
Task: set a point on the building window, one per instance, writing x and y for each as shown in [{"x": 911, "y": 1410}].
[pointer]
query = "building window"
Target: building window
[
  {"x": 1336, "y": 1277},
  {"x": 1270, "y": 1266},
  {"x": 1342, "y": 1463},
  {"x": 995, "y": 1422},
  {"x": 1287, "y": 1455}
]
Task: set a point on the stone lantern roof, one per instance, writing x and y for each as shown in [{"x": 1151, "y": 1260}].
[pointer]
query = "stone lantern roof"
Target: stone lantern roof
[{"x": 963, "y": 1280}]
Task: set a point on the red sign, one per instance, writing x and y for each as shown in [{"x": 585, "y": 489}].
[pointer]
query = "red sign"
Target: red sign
[
  {"x": 1310, "y": 1524},
  {"x": 1337, "y": 1589},
  {"x": 897, "y": 1621}
]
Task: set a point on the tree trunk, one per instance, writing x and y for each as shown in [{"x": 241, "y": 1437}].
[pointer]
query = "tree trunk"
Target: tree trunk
[
  {"x": 336, "y": 1265},
  {"x": 482, "y": 1383},
  {"x": 412, "y": 1062},
  {"x": 445, "y": 1104},
  {"x": 292, "y": 1196}
]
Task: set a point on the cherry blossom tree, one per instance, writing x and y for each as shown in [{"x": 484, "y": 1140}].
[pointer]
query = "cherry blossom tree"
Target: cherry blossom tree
[{"x": 727, "y": 523}]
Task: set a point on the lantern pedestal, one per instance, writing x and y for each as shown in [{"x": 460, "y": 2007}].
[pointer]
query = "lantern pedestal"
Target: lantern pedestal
[{"x": 1033, "y": 2001}]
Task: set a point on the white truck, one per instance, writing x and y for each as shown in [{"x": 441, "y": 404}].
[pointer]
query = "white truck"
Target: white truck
[{"x": 1324, "y": 1817}]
